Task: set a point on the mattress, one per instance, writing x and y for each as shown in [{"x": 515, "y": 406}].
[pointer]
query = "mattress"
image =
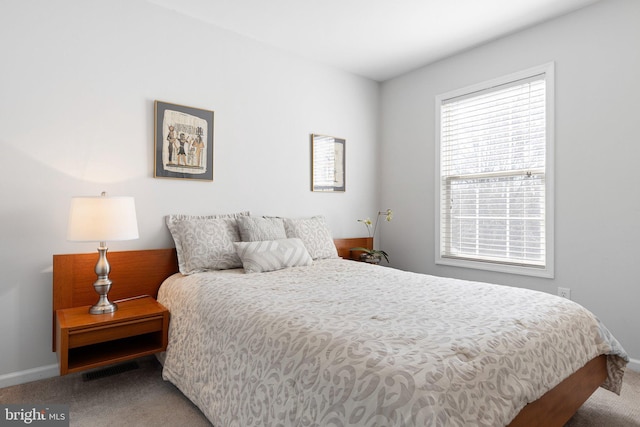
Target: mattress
[{"x": 344, "y": 343}]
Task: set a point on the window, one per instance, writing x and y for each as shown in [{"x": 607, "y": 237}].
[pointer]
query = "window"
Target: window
[{"x": 495, "y": 180}]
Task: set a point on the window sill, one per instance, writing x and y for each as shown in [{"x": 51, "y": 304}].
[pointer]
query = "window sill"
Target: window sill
[{"x": 544, "y": 272}]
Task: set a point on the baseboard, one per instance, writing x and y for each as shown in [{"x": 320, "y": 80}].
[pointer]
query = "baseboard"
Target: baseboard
[
  {"x": 634, "y": 365},
  {"x": 29, "y": 375}
]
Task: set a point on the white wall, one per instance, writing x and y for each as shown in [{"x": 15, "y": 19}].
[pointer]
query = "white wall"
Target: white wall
[
  {"x": 597, "y": 152},
  {"x": 77, "y": 87}
]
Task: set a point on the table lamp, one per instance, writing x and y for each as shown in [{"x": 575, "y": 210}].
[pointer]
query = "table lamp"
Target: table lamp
[{"x": 98, "y": 219}]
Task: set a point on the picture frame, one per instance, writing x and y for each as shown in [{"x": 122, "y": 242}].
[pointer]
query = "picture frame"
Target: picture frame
[
  {"x": 183, "y": 142},
  {"x": 328, "y": 163}
]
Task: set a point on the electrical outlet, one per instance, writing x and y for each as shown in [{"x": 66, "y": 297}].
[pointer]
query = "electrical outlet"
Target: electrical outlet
[{"x": 564, "y": 293}]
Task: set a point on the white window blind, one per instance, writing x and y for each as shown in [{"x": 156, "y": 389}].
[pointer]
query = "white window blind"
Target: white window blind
[{"x": 493, "y": 174}]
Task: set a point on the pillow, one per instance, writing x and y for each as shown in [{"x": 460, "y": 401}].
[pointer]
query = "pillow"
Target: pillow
[
  {"x": 253, "y": 228},
  {"x": 183, "y": 217},
  {"x": 205, "y": 242},
  {"x": 271, "y": 255},
  {"x": 315, "y": 235}
]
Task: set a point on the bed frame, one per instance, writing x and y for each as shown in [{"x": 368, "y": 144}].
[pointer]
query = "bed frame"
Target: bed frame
[{"x": 142, "y": 272}]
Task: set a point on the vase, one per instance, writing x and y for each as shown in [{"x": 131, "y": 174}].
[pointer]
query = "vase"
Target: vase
[{"x": 370, "y": 258}]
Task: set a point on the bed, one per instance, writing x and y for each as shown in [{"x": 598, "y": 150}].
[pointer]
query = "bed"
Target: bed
[{"x": 339, "y": 342}]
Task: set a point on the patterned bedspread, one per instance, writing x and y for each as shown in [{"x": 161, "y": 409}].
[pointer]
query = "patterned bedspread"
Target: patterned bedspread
[{"x": 342, "y": 343}]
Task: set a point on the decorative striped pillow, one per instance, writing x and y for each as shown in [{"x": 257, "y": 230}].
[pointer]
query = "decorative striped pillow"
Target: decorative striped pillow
[{"x": 271, "y": 255}]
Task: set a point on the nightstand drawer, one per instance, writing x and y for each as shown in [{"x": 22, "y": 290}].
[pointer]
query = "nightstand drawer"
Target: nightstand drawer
[{"x": 110, "y": 332}]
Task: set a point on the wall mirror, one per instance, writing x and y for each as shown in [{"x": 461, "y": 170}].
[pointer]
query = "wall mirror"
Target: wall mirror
[{"x": 327, "y": 163}]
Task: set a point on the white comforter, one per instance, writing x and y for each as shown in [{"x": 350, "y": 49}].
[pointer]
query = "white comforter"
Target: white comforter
[{"x": 342, "y": 343}]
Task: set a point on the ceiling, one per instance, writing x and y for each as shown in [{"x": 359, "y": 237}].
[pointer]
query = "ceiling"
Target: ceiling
[{"x": 377, "y": 39}]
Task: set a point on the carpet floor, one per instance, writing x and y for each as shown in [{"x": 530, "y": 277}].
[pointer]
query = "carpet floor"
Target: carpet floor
[{"x": 140, "y": 398}]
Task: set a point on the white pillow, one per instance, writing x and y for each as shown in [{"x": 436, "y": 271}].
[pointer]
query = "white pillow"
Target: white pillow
[
  {"x": 255, "y": 228},
  {"x": 271, "y": 255},
  {"x": 205, "y": 242},
  {"x": 315, "y": 235}
]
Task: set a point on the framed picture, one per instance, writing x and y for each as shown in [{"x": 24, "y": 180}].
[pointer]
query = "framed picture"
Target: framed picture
[
  {"x": 183, "y": 142},
  {"x": 327, "y": 163}
]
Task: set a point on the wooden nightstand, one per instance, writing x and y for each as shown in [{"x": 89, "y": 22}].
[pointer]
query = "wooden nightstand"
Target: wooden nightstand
[
  {"x": 139, "y": 327},
  {"x": 344, "y": 246}
]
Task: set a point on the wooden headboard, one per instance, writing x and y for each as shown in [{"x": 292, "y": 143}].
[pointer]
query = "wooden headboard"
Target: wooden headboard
[{"x": 134, "y": 273}]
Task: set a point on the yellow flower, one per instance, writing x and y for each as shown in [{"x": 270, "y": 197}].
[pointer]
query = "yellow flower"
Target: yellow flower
[
  {"x": 367, "y": 222},
  {"x": 388, "y": 216}
]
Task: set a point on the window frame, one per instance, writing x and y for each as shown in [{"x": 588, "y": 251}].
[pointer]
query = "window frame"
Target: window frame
[{"x": 546, "y": 271}]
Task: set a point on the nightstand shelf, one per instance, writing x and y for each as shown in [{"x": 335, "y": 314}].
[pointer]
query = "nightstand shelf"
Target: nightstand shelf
[{"x": 139, "y": 327}]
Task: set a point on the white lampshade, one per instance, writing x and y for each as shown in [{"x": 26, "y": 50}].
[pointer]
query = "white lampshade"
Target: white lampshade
[{"x": 102, "y": 219}]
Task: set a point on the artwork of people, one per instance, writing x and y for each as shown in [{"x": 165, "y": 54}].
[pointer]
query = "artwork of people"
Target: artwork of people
[
  {"x": 171, "y": 139},
  {"x": 185, "y": 148},
  {"x": 183, "y": 139}
]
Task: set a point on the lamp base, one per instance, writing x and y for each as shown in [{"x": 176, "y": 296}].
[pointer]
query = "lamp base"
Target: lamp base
[
  {"x": 103, "y": 284},
  {"x": 103, "y": 307}
]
